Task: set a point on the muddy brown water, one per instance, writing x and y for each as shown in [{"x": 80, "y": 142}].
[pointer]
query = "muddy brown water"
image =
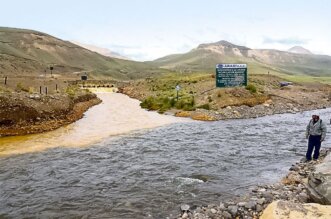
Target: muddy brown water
[{"x": 120, "y": 161}]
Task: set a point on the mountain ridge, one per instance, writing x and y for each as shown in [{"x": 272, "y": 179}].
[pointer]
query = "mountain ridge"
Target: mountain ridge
[
  {"x": 205, "y": 56},
  {"x": 29, "y": 52}
]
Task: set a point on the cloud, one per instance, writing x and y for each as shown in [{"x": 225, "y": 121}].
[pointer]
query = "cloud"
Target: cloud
[{"x": 285, "y": 41}]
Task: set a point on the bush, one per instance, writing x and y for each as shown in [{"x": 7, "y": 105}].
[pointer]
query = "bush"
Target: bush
[
  {"x": 205, "y": 106},
  {"x": 71, "y": 91},
  {"x": 251, "y": 88},
  {"x": 163, "y": 104},
  {"x": 31, "y": 90},
  {"x": 20, "y": 87}
]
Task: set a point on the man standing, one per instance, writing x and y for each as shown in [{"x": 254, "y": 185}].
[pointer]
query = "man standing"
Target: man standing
[{"x": 315, "y": 132}]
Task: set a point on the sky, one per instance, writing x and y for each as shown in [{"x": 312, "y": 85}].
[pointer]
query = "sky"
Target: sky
[{"x": 149, "y": 29}]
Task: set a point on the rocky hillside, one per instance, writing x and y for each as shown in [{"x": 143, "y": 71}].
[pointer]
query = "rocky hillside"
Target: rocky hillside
[
  {"x": 28, "y": 52},
  {"x": 206, "y": 56}
]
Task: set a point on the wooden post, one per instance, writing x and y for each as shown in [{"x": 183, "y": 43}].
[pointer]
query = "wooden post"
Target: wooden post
[
  {"x": 6, "y": 80},
  {"x": 56, "y": 87},
  {"x": 46, "y": 90},
  {"x": 40, "y": 89}
]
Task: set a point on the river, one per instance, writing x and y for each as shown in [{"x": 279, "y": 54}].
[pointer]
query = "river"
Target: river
[{"x": 120, "y": 161}]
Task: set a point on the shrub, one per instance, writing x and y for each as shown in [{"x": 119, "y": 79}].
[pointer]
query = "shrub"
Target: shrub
[
  {"x": 71, "y": 91},
  {"x": 163, "y": 104},
  {"x": 251, "y": 88},
  {"x": 20, "y": 87},
  {"x": 205, "y": 106},
  {"x": 31, "y": 90}
]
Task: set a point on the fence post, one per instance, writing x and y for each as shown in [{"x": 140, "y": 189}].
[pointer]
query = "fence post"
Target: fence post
[
  {"x": 46, "y": 90},
  {"x": 6, "y": 80}
]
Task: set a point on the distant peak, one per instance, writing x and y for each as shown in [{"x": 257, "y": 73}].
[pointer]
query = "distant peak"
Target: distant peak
[
  {"x": 221, "y": 43},
  {"x": 225, "y": 43},
  {"x": 299, "y": 50}
]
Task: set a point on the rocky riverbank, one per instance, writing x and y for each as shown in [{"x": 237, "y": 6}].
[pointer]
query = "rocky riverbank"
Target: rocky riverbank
[
  {"x": 200, "y": 100},
  {"x": 22, "y": 113},
  {"x": 270, "y": 107},
  {"x": 286, "y": 199}
]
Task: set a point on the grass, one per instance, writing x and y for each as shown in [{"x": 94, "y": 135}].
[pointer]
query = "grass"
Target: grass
[
  {"x": 71, "y": 91},
  {"x": 251, "y": 88},
  {"x": 162, "y": 104},
  {"x": 307, "y": 79}
]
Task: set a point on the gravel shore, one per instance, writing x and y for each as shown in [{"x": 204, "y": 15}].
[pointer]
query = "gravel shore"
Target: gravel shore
[{"x": 293, "y": 188}]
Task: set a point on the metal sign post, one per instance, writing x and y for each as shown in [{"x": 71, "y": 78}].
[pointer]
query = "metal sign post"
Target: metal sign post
[
  {"x": 177, "y": 89},
  {"x": 51, "y": 68},
  {"x": 231, "y": 75}
]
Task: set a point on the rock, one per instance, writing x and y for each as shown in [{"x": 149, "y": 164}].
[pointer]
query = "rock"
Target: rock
[
  {"x": 259, "y": 208},
  {"x": 260, "y": 201},
  {"x": 319, "y": 182},
  {"x": 268, "y": 196},
  {"x": 233, "y": 209},
  {"x": 236, "y": 113},
  {"x": 250, "y": 205},
  {"x": 34, "y": 96},
  {"x": 262, "y": 190},
  {"x": 241, "y": 204},
  {"x": 319, "y": 188},
  {"x": 185, "y": 215},
  {"x": 294, "y": 168},
  {"x": 214, "y": 211},
  {"x": 222, "y": 206},
  {"x": 226, "y": 215},
  {"x": 292, "y": 178},
  {"x": 228, "y": 107},
  {"x": 290, "y": 210},
  {"x": 184, "y": 207},
  {"x": 303, "y": 197}
]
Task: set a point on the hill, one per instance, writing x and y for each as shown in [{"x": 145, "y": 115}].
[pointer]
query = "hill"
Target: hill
[
  {"x": 299, "y": 50},
  {"x": 100, "y": 50},
  {"x": 30, "y": 53},
  {"x": 206, "y": 56}
]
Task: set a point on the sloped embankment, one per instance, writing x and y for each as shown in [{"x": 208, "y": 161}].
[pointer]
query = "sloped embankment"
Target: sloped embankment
[{"x": 24, "y": 113}]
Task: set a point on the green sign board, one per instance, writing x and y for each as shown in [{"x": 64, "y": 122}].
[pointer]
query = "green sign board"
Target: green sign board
[{"x": 231, "y": 75}]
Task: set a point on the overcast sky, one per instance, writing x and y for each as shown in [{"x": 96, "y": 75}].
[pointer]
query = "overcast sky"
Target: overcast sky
[{"x": 149, "y": 29}]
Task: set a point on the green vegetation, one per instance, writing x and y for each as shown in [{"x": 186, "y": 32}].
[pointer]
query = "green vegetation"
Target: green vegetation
[
  {"x": 162, "y": 104},
  {"x": 21, "y": 87},
  {"x": 205, "y": 106},
  {"x": 71, "y": 91},
  {"x": 251, "y": 88}
]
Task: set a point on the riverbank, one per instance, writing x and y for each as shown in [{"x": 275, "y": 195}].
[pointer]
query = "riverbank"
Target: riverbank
[
  {"x": 116, "y": 115},
  {"x": 200, "y": 100},
  {"x": 295, "y": 196},
  {"x": 23, "y": 113}
]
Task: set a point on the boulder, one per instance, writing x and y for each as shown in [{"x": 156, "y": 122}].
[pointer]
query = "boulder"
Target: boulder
[
  {"x": 290, "y": 210},
  {"x": 319, "y": 182}
]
